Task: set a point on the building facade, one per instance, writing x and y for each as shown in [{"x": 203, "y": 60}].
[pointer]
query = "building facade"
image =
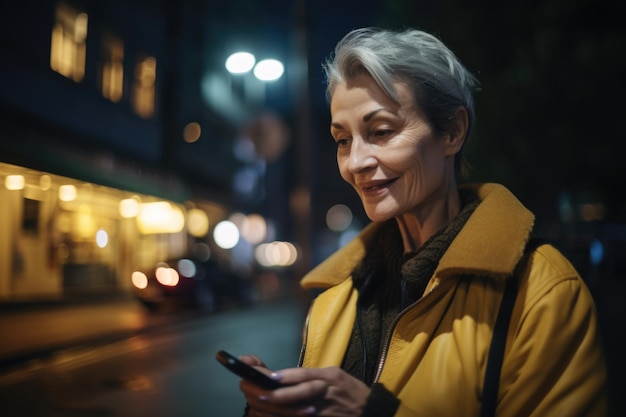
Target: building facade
[{"x": 90, "y": 123}]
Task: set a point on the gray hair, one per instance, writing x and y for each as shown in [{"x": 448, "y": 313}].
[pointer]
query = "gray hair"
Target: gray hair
[{"x": 441, "y": 84}]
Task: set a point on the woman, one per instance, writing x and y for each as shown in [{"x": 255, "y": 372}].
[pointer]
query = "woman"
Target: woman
[{"x": 404, "y": 324}]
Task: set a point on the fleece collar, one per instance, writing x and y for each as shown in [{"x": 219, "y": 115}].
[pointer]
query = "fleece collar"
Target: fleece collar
[{"x": 491, "y": 243}]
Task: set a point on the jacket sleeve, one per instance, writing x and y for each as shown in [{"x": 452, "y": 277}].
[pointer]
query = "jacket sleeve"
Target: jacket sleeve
[
  {"x": 555, "y": 363},
  {"x": 380, "y": 403}
]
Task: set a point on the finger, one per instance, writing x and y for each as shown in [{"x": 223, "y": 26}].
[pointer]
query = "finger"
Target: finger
[
  {"x": 297, "y": 375},
  {"x": 252, "y": 360},
  {"x": 251, "y": 389},
  {"x": 297, "y": 400},
  {"x": 303, "y": 393}
]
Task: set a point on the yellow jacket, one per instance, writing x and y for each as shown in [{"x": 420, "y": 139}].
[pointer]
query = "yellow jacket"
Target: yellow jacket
[{"x": 434, "y": 361}]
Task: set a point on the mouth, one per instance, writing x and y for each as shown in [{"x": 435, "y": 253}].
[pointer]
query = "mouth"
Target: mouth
[{"x": 375, "y": 187}]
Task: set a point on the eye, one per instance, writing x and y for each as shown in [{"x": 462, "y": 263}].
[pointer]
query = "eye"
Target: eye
[
  {"x": 342, "y": 142},
  {"x": 381, "y": 133},
  {"x": 340, "y": 137}
]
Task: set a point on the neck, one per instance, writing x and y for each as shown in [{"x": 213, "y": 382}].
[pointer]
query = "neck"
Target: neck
[{"x": 431, "y": 216}]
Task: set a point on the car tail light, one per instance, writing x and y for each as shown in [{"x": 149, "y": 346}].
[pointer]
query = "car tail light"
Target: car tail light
[
  {"x": 167, "y": 276},
  {"x": 139, "y": 280}
]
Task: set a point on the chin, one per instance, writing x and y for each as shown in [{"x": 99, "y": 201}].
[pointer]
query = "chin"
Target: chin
[{"x": 378, "y": 216}]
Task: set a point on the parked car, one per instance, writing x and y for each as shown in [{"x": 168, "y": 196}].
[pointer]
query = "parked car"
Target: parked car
[{"x": 186, "y": 282}]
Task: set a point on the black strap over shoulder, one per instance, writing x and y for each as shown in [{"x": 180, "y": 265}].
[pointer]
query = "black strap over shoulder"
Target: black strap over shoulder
[{"x": 498, "y": 340}]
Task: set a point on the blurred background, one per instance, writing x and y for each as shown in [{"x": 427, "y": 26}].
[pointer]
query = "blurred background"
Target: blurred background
[{"x": 138, "y": 161}]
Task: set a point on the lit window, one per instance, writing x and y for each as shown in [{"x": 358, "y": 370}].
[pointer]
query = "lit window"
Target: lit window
[
  {"x": 68, "y": 47},
  {"x": 112, "y": 68},
  {"x": 144, "y": 86}
]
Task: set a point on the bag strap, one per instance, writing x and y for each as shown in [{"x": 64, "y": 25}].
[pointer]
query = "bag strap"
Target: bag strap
[{"x": 498, "y": 340}]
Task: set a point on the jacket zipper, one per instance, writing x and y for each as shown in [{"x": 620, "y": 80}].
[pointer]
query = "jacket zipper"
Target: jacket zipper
[
  {"x": 305, "y": 335},
  {"x": 394, "y": 323},
  {"x": 385, "y": 348}
]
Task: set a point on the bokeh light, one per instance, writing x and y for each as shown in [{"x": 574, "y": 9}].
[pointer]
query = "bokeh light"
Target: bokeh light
[
  {"x": 240, "y": 62},
  {"x": 129, "y": 207},
  {"x": 338, "y": 217},
  {"x": 187, "y": 268},
  {"x": 14, "y": 182},
  {"x": 67, "y": 193},
  {"x": 276, "y": 254},
  {"x": 269, "y": 70},
  {"x": 191, "y": 132},
  {"x": 160, "y": 217},
  {"x": 139, "y": 279},
  {"x": 197, "y": 223},
  {"x": 226, "y": 234},
  {"x": 45, "y": 182},
  {"x": 102, "y": 238},
  {"x": 167, "y": 276},
  {"x": 254, "y": 228}
]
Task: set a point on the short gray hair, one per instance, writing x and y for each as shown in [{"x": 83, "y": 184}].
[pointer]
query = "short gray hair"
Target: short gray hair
[{"x": 441, "y": 84}]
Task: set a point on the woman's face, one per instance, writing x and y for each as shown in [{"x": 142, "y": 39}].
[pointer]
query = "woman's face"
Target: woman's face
[{"x": 387, "y": 151}]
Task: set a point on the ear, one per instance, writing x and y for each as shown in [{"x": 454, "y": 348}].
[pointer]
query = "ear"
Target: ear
[{"x": 457, "y": 131}]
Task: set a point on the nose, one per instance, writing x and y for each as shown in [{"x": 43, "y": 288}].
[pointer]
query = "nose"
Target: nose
[{"x": 362, "y": 155}]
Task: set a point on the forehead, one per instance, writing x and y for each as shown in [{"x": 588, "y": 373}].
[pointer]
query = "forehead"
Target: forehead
[{"x": 363, "y": 90}]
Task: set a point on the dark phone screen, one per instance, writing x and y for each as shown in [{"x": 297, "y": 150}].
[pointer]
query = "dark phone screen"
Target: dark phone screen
[{"x": 246, "y": 371}]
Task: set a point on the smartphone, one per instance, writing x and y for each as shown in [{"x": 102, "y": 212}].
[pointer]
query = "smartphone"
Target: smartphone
[{"x": 246, "y": 371}]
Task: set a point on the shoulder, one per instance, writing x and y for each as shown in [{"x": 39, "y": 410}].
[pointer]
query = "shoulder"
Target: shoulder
[
  {"x": 548, "y": 273},
  {"x": 545, "y": 259}
]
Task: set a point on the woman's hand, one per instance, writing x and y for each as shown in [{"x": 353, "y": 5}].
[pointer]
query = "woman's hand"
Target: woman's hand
[{"x": 324, "y": 392}]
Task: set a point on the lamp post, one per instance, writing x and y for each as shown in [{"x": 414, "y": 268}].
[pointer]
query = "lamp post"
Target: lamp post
[{"x": 240, "y": 63}]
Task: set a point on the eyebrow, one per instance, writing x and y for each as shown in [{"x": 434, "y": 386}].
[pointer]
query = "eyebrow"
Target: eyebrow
[{"x": 366, "y": 118}]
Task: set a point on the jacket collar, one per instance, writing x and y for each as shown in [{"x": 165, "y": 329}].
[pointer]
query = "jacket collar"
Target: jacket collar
[{"x": 491, "y": 243}]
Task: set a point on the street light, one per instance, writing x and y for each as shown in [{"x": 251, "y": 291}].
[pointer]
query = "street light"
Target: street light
[
  {"x": 264, "y": 70},
  {"x": 269, "y": 70},
  {"x": 252, "y": 89},
  {"x": 240, "y": 62}
]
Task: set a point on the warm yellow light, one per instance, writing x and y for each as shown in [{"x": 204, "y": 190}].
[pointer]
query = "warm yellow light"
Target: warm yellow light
[
  {"x": 160, "y": 217},
  {"x": 85, "y": 223},
  {"x": 67, "y": 193},
  {"x": 14, "y": 182},
  {"x": 143, "y": 89},
  {"x": 64, "y": 222},
  {"x": 112, "y": 77},
  {"x": 129, "y": 207},
  {"x": 68, "y": 42},
  {"x": 45, "y": 182},
  {"x": 197, "y": 223}
]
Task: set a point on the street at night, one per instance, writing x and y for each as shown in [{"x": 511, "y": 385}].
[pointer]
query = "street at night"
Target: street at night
[
  {"x": 170, "y": 171},
  {"x": 166, "y": 367}
]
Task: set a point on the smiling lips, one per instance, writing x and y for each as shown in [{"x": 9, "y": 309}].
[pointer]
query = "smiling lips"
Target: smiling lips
[{"x": 374, "y": 188}]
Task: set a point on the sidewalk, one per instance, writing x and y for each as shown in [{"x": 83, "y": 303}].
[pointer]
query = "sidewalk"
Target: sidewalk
[{"x": 31, "y": 331}]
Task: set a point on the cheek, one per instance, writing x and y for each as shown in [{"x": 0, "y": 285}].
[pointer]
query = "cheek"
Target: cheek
[
  {"x": 430, "y": 157},
  {"x": 421, "y": 167},
  {"x": 408, "y": 160},
  {"x": 345, "y": 174}
]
